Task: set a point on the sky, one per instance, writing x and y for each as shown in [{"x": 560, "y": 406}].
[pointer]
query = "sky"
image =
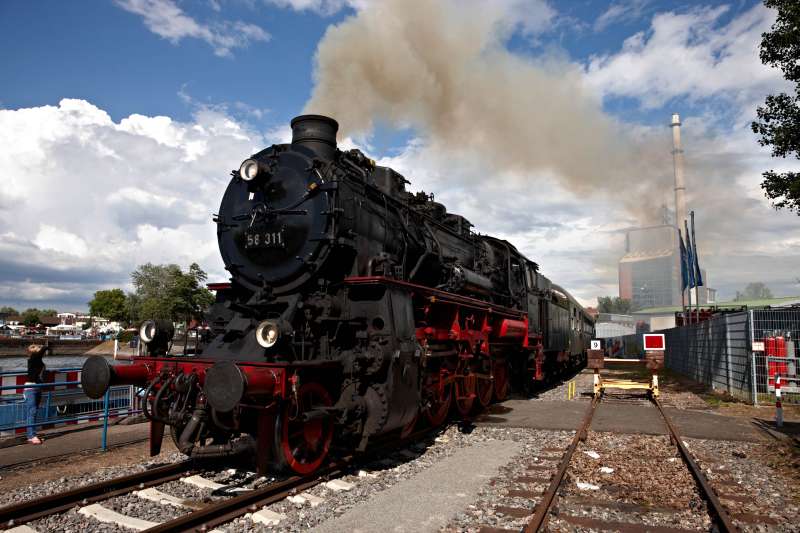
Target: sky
[{"x": 543, "y": 122}]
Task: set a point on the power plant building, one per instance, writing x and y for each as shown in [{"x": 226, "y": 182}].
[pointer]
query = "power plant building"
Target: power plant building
[{"x": 650, "y": 270}]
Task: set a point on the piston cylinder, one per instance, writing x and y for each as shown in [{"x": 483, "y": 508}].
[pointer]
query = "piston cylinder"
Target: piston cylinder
[
  {"x": 226, "y": 384},
  {"x": 98, "y": 375}
]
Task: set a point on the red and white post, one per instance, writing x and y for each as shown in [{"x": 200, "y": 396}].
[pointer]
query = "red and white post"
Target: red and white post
[{"x": 778, "y": 405}]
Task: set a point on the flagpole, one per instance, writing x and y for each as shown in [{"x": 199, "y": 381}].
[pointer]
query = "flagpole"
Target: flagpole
[
  {"x": 689, "y": 266},
  {"x": 696, "y": 266},
  {"x": 683, "y": 273},
  {"x": 683, "y": 305}
]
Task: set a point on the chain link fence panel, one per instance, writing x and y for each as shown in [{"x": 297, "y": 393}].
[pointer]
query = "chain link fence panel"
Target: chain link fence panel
[
  {"x": 741, "y": 353},
  {"x": 774, "y": 351}
]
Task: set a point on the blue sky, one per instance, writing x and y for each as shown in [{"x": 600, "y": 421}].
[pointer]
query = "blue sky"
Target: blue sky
[
  {"x": 105, "y": 54},
  {"x": 116, "y": 107}
]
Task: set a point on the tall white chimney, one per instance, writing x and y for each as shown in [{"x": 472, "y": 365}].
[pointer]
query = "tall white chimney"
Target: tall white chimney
[{"x": 677, "y": 160}]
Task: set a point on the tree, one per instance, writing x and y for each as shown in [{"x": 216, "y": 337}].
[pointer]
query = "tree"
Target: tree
[
  {"x": 6, "y": 310},
  {"x": 165, "y": 291},
  {"x": 133, "y": 306},
  {"x": 109, "y": 304},
  {"x": 31, "y": 317},
  {"x": 754, "y": 291},
  {"x": 778, "y": 121},
  {"x": 617, "y": 305}
]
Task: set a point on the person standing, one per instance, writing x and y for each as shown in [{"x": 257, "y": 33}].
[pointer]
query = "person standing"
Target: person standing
[{"x": 32, "y": 395}]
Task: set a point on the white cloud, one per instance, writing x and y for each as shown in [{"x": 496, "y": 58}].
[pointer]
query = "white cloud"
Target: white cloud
[
  {"x": 166, "y": 19},
  {"x": 690, "y": 55},
  {"x": 87, "y": 199},
  {"x": 322, "y": 7},
  {"x": 59, "y": 240},
  {"x": 621, "y": 12}
]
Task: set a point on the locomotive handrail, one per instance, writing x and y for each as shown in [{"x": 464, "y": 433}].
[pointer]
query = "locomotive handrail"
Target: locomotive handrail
[{"x": 443, "y": 295}]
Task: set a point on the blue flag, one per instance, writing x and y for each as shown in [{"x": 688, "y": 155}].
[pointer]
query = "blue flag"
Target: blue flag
[
  {"x": 689, "y": 257},
  {"x": 698, "y": 276},
  {"x": 684, "y": 264}
]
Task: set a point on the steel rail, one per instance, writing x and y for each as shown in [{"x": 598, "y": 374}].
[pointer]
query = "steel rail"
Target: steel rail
[
  {"x": 716, "y": 509},
  {"x": 543, "y": 509},
  {"x": 224, "y": 511},
  {"x": 20, "y": 513},
  {"x": 724, "y": 520}
]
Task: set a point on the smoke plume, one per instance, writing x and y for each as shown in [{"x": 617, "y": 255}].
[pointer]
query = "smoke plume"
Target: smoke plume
[{"x": 442, "y": 67}]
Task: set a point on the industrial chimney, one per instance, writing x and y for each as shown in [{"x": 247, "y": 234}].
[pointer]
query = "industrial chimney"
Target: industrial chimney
[{"x": 677, "y": 160}]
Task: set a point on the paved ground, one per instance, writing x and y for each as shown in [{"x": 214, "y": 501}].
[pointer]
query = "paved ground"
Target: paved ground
[
  {"x": 419, "y": 504},
  {"x": 618, "y": 417},
  {"x": 72, "y": 443}
]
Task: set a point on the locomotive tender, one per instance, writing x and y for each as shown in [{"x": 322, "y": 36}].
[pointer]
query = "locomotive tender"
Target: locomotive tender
[{"x": 354, "y": 308}]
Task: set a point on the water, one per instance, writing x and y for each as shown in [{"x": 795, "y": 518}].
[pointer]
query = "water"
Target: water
[{"x": 63, "y": 361}]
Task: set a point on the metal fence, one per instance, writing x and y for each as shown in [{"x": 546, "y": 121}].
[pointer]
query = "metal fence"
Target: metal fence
[
  {"x": 740, "y": 353},
  {"x": 774, "y": 334},
  {"x": 63, "y": 403}
]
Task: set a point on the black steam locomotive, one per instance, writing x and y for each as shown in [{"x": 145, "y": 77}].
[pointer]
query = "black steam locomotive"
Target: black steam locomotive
[{"x": 354, "y": 308}]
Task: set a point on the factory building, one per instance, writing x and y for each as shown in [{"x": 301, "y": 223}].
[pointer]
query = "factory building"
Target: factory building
[{"x": 650, "y": 269}]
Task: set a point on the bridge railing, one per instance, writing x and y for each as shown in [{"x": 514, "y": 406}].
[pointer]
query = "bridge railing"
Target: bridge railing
[{"x": 62, "y": 403}]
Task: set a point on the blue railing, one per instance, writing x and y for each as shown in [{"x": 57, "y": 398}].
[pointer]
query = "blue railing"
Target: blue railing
[{"x": 64, "y": 405}]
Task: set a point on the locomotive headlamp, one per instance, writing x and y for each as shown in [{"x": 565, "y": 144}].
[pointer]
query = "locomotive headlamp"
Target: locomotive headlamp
[
  {"x": 157, "y": 334},
  {"x": 267, "y": 333},
  {"x": 249, "y": 169},
  {"x": 148, "y": 331}
]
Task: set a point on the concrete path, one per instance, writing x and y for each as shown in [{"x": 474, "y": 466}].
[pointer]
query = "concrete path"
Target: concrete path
[
  {"x": 542, "y": 414},
  {"x": 426, "y": 501},
  {"x": 73, "y": 443},
  {"x": 619, "y": 418}
]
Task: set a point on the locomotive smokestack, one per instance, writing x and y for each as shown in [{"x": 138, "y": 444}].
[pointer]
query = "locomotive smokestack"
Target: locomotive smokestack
[
  {"x": 677, "y": 160},
  {"x": 315, "y": 132}
]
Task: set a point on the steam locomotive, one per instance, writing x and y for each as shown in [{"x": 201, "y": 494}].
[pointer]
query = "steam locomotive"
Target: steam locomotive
[{"x": 354, "y": 309}]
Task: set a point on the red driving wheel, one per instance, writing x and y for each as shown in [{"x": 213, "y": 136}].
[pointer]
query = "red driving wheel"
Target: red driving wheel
[
  {"x": 408, "y": 428},
  {"x": 485, "y": 386},
  {"x": 500, "y": 380},
  {"x": 439, "y": 401},
  {"x": 301, "y": 447},
  {"x": 465, "y": 388}
]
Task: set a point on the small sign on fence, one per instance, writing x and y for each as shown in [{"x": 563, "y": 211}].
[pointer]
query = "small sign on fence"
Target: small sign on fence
[
  {"x": 654, "y": 341},
  {"x": 758, "y": 346}
]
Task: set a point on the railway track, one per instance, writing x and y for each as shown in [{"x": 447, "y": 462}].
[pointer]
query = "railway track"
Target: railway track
[
  {"x": 92, "y": 500},
  {"x": 720, "y": 517},
  {"x": 28, "y": 511}
]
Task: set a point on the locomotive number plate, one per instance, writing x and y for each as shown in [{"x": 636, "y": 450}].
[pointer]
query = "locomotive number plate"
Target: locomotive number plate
[{"x": 264, "y": 239}]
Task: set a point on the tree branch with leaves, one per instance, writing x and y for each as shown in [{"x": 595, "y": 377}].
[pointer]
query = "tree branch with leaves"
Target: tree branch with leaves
[{"x": 778, "y": 123}]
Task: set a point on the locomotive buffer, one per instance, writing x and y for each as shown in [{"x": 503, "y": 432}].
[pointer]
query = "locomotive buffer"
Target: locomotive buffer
[{"x": 654, "y": 345}]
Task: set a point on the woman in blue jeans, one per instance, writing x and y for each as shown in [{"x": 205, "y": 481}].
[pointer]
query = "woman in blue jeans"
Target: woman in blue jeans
[{"x": 32, "y": 395}]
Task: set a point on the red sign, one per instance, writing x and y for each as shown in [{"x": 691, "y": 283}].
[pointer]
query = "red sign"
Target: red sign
[{"x": 654, "y": 341}]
